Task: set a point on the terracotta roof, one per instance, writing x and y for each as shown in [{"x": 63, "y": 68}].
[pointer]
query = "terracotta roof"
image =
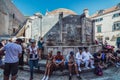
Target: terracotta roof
[
  {"x": 105, "y": 11},
  {"x": 65, "y": 11}
]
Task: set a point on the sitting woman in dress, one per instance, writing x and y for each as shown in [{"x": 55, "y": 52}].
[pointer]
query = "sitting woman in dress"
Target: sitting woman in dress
[{"x": 49, "y": 64}]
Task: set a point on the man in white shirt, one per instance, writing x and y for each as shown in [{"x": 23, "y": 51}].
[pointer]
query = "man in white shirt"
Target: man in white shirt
[
  {"x": 88, "y": 58},
  {"x": 79, "y": 58}
]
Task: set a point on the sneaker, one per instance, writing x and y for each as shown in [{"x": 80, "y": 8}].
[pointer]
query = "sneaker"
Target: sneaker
[
  {"x": 79, "y": 69},
  {"x": 92, "y": 67},
  {"x": 44, "y": 78},
  {"x": 47, "y": 78},
  {"x": 88, "y": 67},
  {"x": 116, "y": 65}
]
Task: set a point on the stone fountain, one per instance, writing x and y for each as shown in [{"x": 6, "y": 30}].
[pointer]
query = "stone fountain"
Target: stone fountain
[{"x": 69, "y": 33}]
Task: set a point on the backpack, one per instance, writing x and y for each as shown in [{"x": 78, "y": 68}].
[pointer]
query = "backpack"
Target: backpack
[{"x": 98, "y": 71}]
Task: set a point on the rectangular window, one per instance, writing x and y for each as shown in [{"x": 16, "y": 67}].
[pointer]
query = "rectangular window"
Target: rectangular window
[
  {"x": 116, "y": 26},
  {"x": 116, "y": 15},
  {"x": 98, "y": 20},
  {"x": 106, "y": 38},
  {"x": 99, "y": 28}
]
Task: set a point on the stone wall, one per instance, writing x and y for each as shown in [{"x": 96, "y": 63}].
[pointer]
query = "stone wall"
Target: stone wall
[
  {"x": 10, "y": 17},
  {"x": 71, "y": 30}
]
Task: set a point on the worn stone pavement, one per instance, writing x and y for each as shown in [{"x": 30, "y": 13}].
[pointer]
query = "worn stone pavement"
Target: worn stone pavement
[{"x": 112, "y": 73}]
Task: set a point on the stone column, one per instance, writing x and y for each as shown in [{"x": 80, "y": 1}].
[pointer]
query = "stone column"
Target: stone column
[
  {"x": 60, "y": 24},
  {"x": 93, "y": 31},
  {"x": 83, "y": 30}
]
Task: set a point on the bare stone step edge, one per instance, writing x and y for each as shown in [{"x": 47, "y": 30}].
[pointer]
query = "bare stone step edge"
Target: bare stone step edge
[{"x": 65, "y": 72}]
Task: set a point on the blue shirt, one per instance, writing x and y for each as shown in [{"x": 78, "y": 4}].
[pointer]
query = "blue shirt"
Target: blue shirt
[{"x": 12, "y": 52}]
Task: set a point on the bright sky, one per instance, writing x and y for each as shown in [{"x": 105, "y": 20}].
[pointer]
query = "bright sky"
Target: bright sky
[{"x": 29, "y": 7}]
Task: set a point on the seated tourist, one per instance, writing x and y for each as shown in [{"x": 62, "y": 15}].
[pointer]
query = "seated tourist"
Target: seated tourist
[
  {"x": 117, "y": 59},
  {"x": 72, "y": 65},
  {"x": 103, "y": 58},
  {"x": 118, "y": 53},
  {"x": 88, "y": 59},
  {"x": 98, "y": 58},
  {"x": 66, "y": 60},
  {"x": 49, "y": 65},
  {"x": 58, "y": 61},
  {"x": 110, "y": 57},
  {"x": 79, "y": 59},
  {"x": 1, "y": 46},
  {"x": 117, "y": 56}
]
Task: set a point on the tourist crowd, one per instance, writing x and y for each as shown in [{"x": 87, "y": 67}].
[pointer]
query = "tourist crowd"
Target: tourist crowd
[{"x": 14, "y": 57}]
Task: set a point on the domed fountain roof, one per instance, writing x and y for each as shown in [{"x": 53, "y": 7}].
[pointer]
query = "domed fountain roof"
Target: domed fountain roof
[{"x": 65, "y": 11}]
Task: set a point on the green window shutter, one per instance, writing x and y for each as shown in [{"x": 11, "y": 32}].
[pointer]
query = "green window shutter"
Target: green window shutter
[{"x": 98, "y": 28}]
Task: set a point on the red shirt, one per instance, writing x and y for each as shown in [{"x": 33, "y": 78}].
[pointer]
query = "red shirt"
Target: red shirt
[{"x": 59, "y": 57}]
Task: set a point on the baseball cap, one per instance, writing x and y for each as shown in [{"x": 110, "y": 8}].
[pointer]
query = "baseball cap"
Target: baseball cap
[{"x": 71, "y": 53}]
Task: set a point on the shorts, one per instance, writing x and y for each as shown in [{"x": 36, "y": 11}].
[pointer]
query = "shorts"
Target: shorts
[
  {"x": 66, "y": 64},
  {"x": 11, "y": 68},
  {"x": 103, "y": 60},
  {"x": 97, "y": 60},
  {"x": 41, "y": 48},
  {"x": 58, "y": 61}
]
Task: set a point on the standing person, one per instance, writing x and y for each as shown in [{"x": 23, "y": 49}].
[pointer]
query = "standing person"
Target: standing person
[
  {"x": 3, "y": 42},
  {"x": 88, "y": 58},
  {"x": 13, "y": 52},
  {"x": 1, "y": 45},
  {"x": 72, "y": 64},
  {"x": 21, "y": 59},
  {"x": 33, "y": 55},
  {"x": 40, "y": 46},
  {"x": 79, "y": 58},
  {"x": 49, "y": 65},
  {"x": 105, "y": 43}
]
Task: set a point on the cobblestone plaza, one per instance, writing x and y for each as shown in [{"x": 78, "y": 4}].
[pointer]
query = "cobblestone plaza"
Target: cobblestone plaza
[
  {"x": 112, "y": 73},
  {"x": 62, "y": 29}
]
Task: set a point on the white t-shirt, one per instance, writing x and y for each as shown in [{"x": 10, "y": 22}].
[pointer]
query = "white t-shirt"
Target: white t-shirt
[
  {"x": 12, "y": 52},
  {"x": 33, "y": 53},
  {"x": 86, "y": 55},
  {"x": 79, "y": 56}
]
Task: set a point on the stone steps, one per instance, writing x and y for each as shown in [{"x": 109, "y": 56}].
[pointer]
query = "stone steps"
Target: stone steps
[{"x": 42, "y": 64}]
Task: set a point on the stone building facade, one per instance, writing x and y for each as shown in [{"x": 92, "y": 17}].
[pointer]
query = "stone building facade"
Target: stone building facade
[
  {"x": 107, "y": 24},
  {"x": 11, "y": 19},
  {"x": 41, "y": 25},
  {"x": 70, "y": 32}
]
